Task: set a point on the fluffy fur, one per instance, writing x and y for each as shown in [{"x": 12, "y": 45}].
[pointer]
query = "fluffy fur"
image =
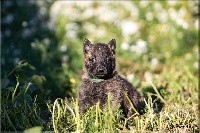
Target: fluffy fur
[{"x": 99, "y": 64}]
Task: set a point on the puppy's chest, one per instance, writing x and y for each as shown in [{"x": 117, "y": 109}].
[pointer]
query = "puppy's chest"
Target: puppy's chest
[{"x": 102, "y": 89}]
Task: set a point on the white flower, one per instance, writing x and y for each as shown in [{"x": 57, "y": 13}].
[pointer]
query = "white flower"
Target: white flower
[
  {"x": 16, "y": 60},
  {"x": 172, "y": 2},
  {"x": 130, "y": 77},
  {"x": 43, "y": 10},
  {"x": 149, "y": 16},
  {"x": 148, "y": 76},
  {"x": 63, "y": 48},
  {"x": 162, "y": 16},
  {"x": 89, "y": 27},
  {"x": 173, "y": 14},
  {"x": 196, "y": 65},
  {"x": 46, "y": 41},
  {"x": 182, "y": 23},
  {"x": 106, "y": 15},
  {"x": 65, "y": 58},
  {"x": 125, "y": 46},
  {"x": 71, "y": 26},
  {"x": 26, "y": 32},
  {"x": 71, "y": 30},
  {"x": 64, "y": 8},
  {"x": 88, "y": 13},
  {"x": 197, "y": 24},
  {"x": 133, "y": 48},
  {"x": 129, "y": 27},
  {"x": 178, "y": 17},
  {"x": 182, "y": 12},
  {"x": 24, "y": 24},
  {"x": 72, "y": 34},
  {"x": 154, "y": 62},
  {"x": 9, "y": 18},
  {"x": 100, "y": 31},
  {"x": 33, "y": 45},
  {"x": 55, "y": 8},
  {"x": 131, "y": 7},
  {"x": 157, "y": 6},
  {"x": 134, "y": 11},
  {"x": 83, "y": 4},
  {"x": 144, "y": 4},
  {"x": 140, "y": 47}
]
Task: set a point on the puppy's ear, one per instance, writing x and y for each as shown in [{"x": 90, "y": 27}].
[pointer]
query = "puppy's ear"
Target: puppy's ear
[
  {"x": 112, "y": 45},
  {"x": 86, "y": 46}
]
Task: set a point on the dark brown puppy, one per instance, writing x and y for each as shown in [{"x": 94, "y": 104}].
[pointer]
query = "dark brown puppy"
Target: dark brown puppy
[{"x": 101, "y": 78}]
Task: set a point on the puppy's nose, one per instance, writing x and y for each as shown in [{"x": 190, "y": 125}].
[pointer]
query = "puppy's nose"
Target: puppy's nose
[{"x": 101, "y": 70}]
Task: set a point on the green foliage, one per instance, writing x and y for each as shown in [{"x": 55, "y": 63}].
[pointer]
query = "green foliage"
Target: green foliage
[
  {"x": 22, "y": 105},
  {"x": 27, "y": 36},
  {"x": 95, "y": 119},
  {"x": 19, "y": 111}
]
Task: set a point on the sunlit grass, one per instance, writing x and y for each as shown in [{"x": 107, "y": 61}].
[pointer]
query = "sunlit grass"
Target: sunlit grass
[
  {"x": 179, "y": 114},
  {"x": 175, "y": 88}
]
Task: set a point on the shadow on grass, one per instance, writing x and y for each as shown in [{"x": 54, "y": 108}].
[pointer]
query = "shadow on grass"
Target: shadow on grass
[{"x": 151, "y": 95}]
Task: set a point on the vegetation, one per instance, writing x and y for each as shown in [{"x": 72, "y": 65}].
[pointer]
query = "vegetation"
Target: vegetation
[{"x": 41, "y": 63}]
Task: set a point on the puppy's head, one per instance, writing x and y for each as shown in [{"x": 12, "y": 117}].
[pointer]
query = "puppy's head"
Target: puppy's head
[{"x": 99, "y": 58}]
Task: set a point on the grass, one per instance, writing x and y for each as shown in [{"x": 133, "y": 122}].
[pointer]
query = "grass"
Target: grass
[
  {"x": 171, "y": 106},
  {"x": 175, "y": 117}
]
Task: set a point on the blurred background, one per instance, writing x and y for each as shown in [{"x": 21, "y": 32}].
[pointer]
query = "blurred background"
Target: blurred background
[{"x": 42, "y": 41}]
